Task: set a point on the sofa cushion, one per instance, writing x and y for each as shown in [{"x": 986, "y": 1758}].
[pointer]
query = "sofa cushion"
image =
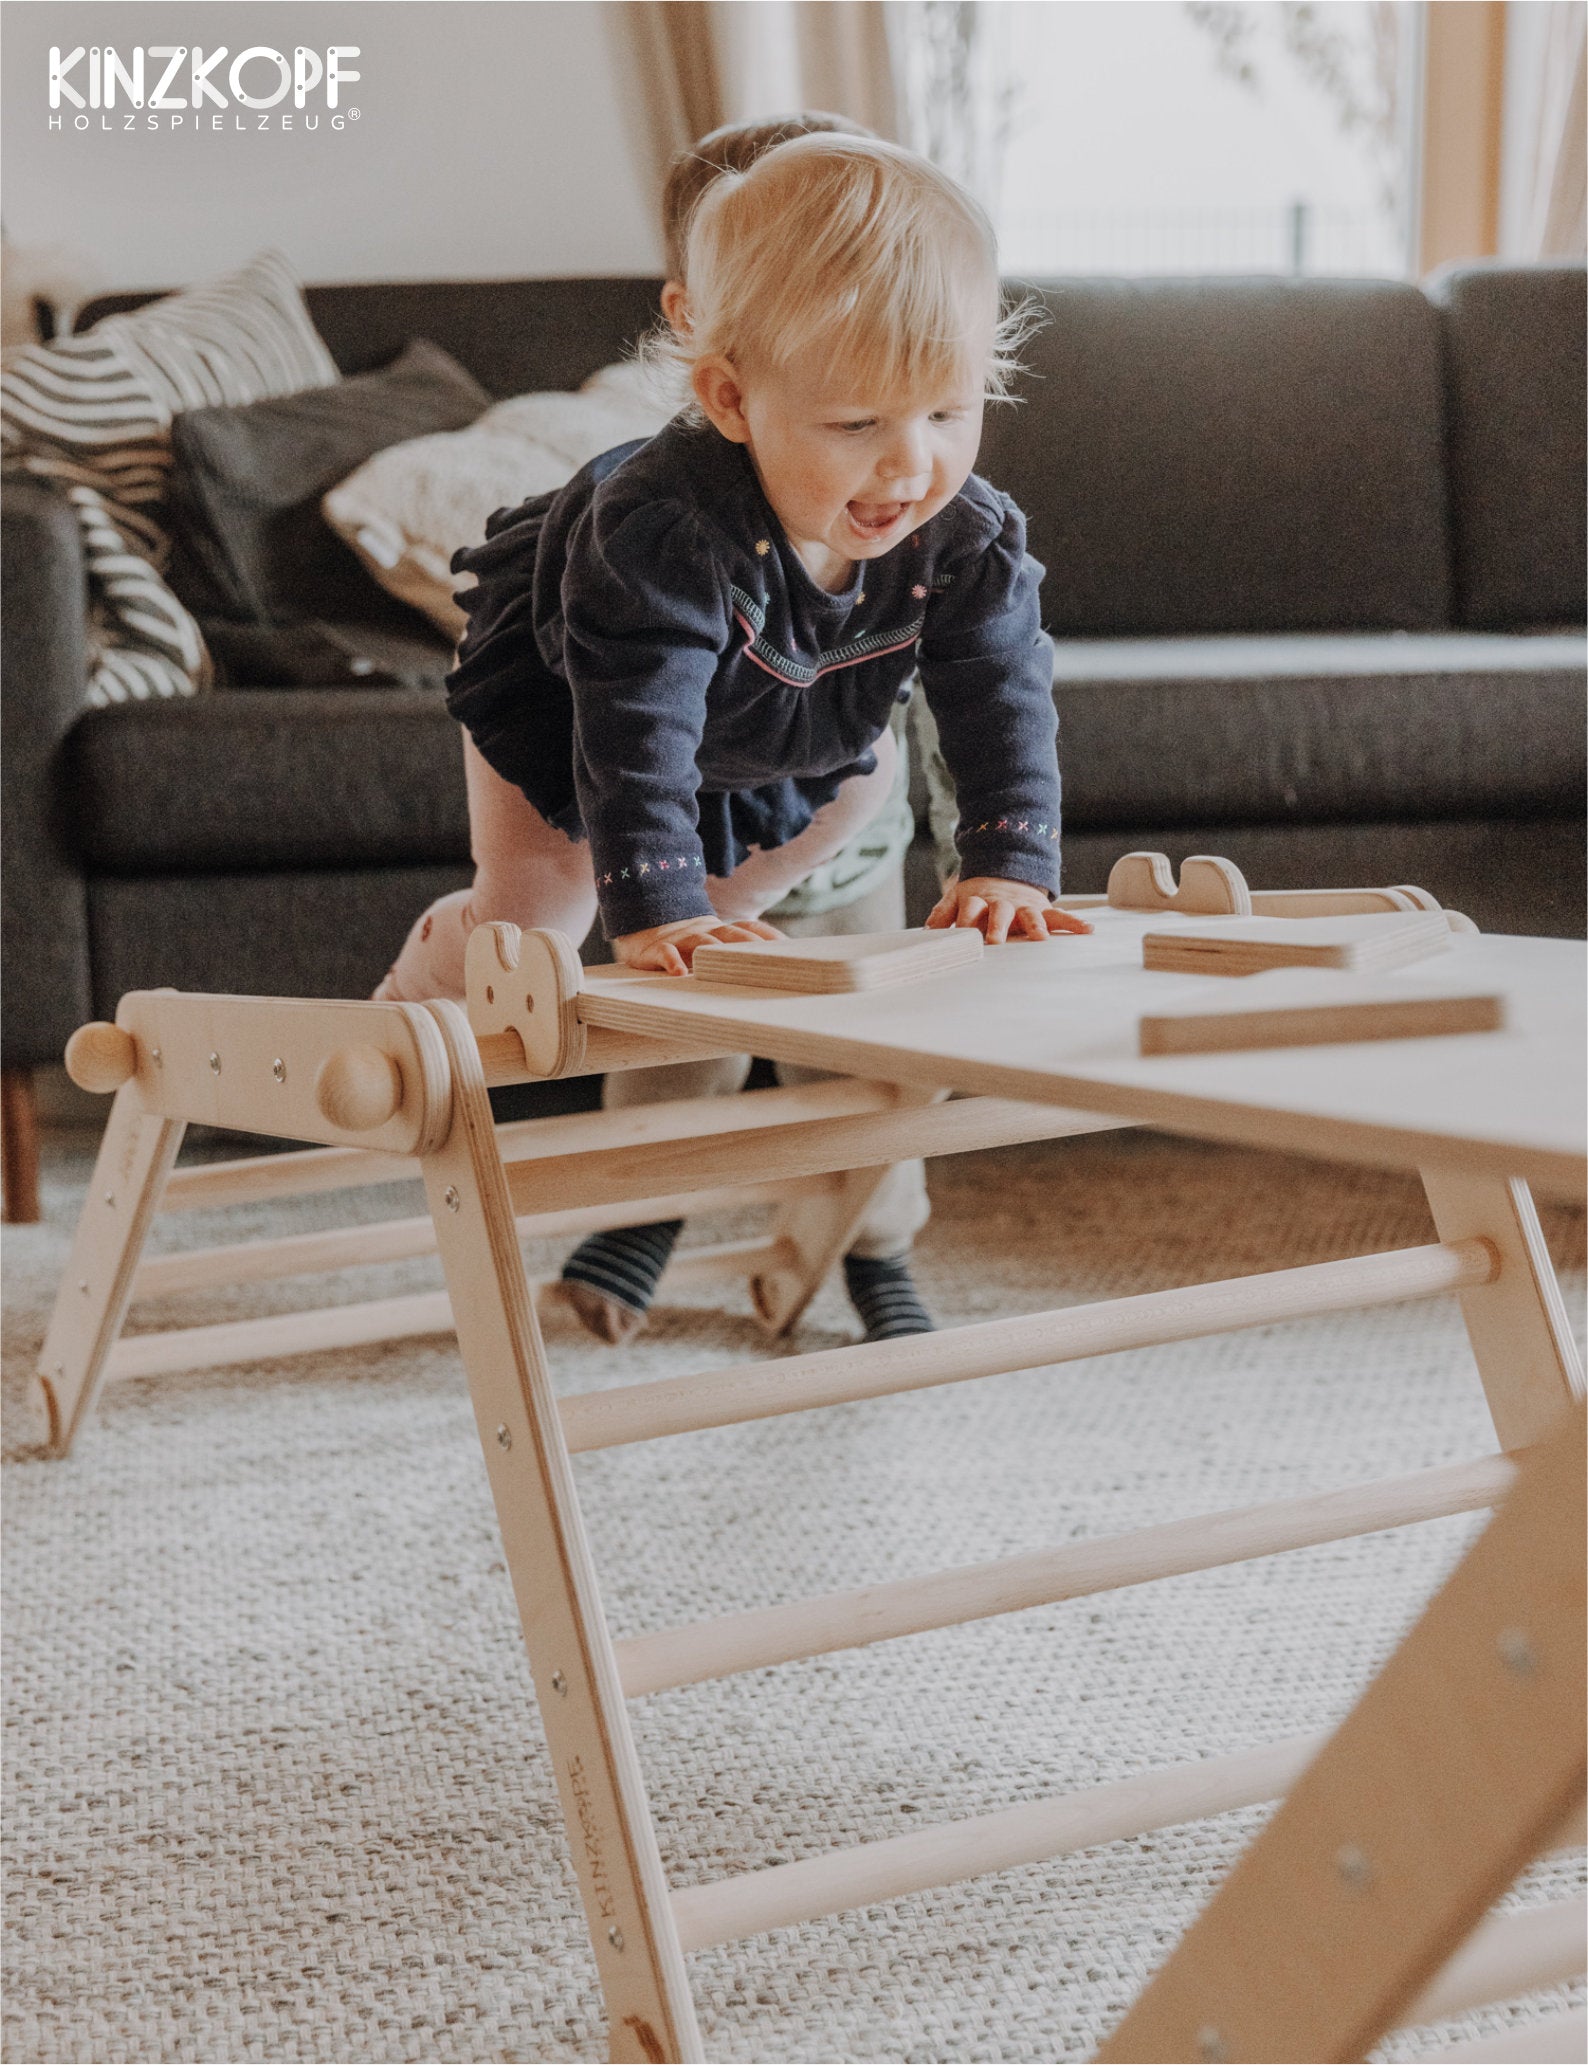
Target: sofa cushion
[
  {"x": 245, "y": 492},
  {"x": 1231, "y": 455},
  {"x": 1316, "y": 729},
  {"x": 1516, "y": 376},
  {"x": 94, "y": 413},
  {"x": 1151, "y": 732},
  {"x": 411, "y": 507},
  {"x": 272, "y": 779}
]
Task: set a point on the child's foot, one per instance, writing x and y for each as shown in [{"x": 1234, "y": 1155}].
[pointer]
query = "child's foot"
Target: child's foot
[
  {"x": 884, "y": 1295},
  {"x": 611, "y": 1278}
]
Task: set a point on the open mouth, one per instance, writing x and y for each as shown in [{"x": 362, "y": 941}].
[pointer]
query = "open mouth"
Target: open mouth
[{"x": 876, "y": 519}]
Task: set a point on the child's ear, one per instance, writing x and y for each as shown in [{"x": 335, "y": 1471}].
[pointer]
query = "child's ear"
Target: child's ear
[
  {"x": 674, "y": 306},
  {"x": 720, "y": 393}
]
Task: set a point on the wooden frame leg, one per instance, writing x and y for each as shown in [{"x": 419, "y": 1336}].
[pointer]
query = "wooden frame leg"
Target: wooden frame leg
[
  {"x": 1520, "y": 1335},
  {"x": 814, "y": 1232},
  {"x": 613, "y": 1844},
  {"x": 19, "y": 1147},
  {"x": 811, "y": 1233},
  {"x": 1455, "y": 1769},
  {"x": 134, "y": 1161}
]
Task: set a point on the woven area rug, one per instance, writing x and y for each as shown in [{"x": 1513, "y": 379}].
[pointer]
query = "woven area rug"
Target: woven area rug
[{"x": 277, "y": 1789}]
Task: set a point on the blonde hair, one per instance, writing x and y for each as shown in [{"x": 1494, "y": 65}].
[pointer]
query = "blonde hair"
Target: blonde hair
[
  {"x": 855, "y": 247},
  {"x": 732, "y": 148}
]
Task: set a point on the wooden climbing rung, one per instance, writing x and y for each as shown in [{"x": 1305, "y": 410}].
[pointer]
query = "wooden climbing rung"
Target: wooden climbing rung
[
  {"x": 754, "y": 1901},
  {"x": 1041, "y": 1577},
  {"x": 837, "y": 1376}
]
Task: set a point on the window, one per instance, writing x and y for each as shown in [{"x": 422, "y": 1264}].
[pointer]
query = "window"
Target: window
[{"x": 1198, "y": 137}]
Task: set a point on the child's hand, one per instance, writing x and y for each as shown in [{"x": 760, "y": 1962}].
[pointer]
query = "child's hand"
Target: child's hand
[
  {"x": 671, "y": 948},
  {"x": 1002, "y": 909}
]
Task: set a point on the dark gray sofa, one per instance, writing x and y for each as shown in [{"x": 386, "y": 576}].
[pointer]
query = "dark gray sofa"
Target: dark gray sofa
[{"x": 1315, "y": 563}]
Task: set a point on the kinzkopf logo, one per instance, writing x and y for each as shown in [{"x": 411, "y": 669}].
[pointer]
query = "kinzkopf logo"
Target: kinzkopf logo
[{"x": 171, "y": 86}]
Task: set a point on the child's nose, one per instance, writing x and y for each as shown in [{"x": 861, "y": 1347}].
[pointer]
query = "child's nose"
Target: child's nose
[{"x": 907, "y": 464}]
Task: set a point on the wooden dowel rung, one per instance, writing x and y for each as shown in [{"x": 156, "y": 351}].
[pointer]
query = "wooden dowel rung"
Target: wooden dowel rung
[
  {"x": 1507, "y": 1955},
  {"x": 786, "y": 1893},
  {"x": 377, "y": 1319},
  {"x": 1553, "y": 2040},
  {"x": 909, "y": 1606},
  {"x": 393, "y": 1240},
  {"x": 293, "y": 1254},
  {"x": 704, "y": 1156},
  {"x": 834, "y": 1376},
  {"x": 725, "y": 1263},
  {"x": 305, "y": 1171},
  {"x": 300, "y": 1173},
  {"x": 281, "y": 1334}
]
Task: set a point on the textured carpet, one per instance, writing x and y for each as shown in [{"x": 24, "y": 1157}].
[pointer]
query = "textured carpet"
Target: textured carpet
[{"x": 277, "y": 1789}]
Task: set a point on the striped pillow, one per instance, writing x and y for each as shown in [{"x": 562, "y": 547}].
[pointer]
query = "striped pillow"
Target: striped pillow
[{"x": 93, "y": 414}]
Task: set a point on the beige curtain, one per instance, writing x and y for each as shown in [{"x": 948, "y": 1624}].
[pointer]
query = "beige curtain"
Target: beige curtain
[
  {"x": 1551, "y": 110},
  {"x": 695, "y": 64}
]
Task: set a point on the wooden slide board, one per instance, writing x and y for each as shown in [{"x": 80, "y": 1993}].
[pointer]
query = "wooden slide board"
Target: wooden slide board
[
  {"x": 1058, "y": 1022},
  {"x": 1312, "y": 1007},
  {"x": 824, "y": 967},
  {"x": 1244, "y": 946}
]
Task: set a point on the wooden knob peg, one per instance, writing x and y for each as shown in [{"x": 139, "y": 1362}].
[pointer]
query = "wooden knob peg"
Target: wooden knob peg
[
  {"x": 101, "y": 1057},
  {"x": 358, "y": 1089}
]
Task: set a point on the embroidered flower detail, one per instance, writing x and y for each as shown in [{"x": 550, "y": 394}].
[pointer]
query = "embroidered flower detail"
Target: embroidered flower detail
[
  {"x": 763, "y": 546},
  {"x": 1040, "y": 830},
  {"x": 664, "y": 865},
  {"x": 1021, "y": 826},
  {"x": 625, "y": 875},
  {"x": 683, "y": 860},
  {"x": 1003, "y": 824},
  {"x": 1054, "y": 833},
  {"x": 606, "y": 881},
  {"x": 861, "y": 596},
  {"x": 645, "y": 867},
  {"x": 919, "y": 592}
]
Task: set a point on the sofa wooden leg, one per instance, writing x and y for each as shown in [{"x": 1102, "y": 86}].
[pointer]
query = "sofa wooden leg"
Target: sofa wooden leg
[{"x": 19, "y": 1147}]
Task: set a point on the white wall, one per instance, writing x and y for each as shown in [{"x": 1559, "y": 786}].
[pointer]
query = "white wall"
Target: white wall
[{"x": 493, "y": 140}]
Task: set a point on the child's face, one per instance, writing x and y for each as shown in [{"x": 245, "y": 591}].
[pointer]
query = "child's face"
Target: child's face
[{"x": 847, "y": 472}]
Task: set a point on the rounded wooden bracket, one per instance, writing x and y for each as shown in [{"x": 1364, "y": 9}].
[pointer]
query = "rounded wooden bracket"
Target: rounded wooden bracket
[
  {"x": 527, "y": 983},
  {"x": 358, "y": 1088},
  {"x": 1208, "y": 888},
  {"x": 101, "y": 1057}
]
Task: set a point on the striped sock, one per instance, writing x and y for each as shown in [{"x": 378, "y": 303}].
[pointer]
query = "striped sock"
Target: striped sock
[
  {"x": 625, "y": 1264},
  {"x": 884, "y": 1295}
]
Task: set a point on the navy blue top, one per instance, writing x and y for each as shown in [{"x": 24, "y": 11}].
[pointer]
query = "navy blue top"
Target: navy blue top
[{"x": 649, "y": 659}]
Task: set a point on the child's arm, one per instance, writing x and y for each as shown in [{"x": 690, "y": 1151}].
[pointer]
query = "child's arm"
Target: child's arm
[
  {"x": 645, "y": 622},
  {"x": 987, "y": 669}
]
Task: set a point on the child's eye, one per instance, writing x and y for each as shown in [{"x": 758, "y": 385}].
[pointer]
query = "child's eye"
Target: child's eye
[
  {"x": 865, "y": 423},
  {"x": 948, "y": 415}
]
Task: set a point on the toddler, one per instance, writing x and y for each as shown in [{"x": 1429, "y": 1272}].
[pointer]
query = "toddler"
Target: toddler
[{"x": 679, "y": 669}]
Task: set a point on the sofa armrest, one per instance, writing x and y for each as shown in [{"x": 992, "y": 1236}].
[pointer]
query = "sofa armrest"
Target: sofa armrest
[{"x": 43, "y": 897}]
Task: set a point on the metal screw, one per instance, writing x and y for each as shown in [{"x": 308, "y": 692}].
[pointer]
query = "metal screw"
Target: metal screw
[
  {"x": 504, "y": 1438},
  {"x": 215, "y": 1064},
  {"x": 83, "y": 1287},
  {"x": 1353, "y": 1866},
  {"x": 559, "y": 1684},
  {"x": 110, "y": 1197},
  {"x": 1210, "y": 2042},
  {"x": 278, "y": 1068},
  {"x": 157, "y": 1057},
  {"x": 450, "y": 1198},
  {"x": 1517, "y": 1653},
  {"x": 615, "y": 1937}
]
